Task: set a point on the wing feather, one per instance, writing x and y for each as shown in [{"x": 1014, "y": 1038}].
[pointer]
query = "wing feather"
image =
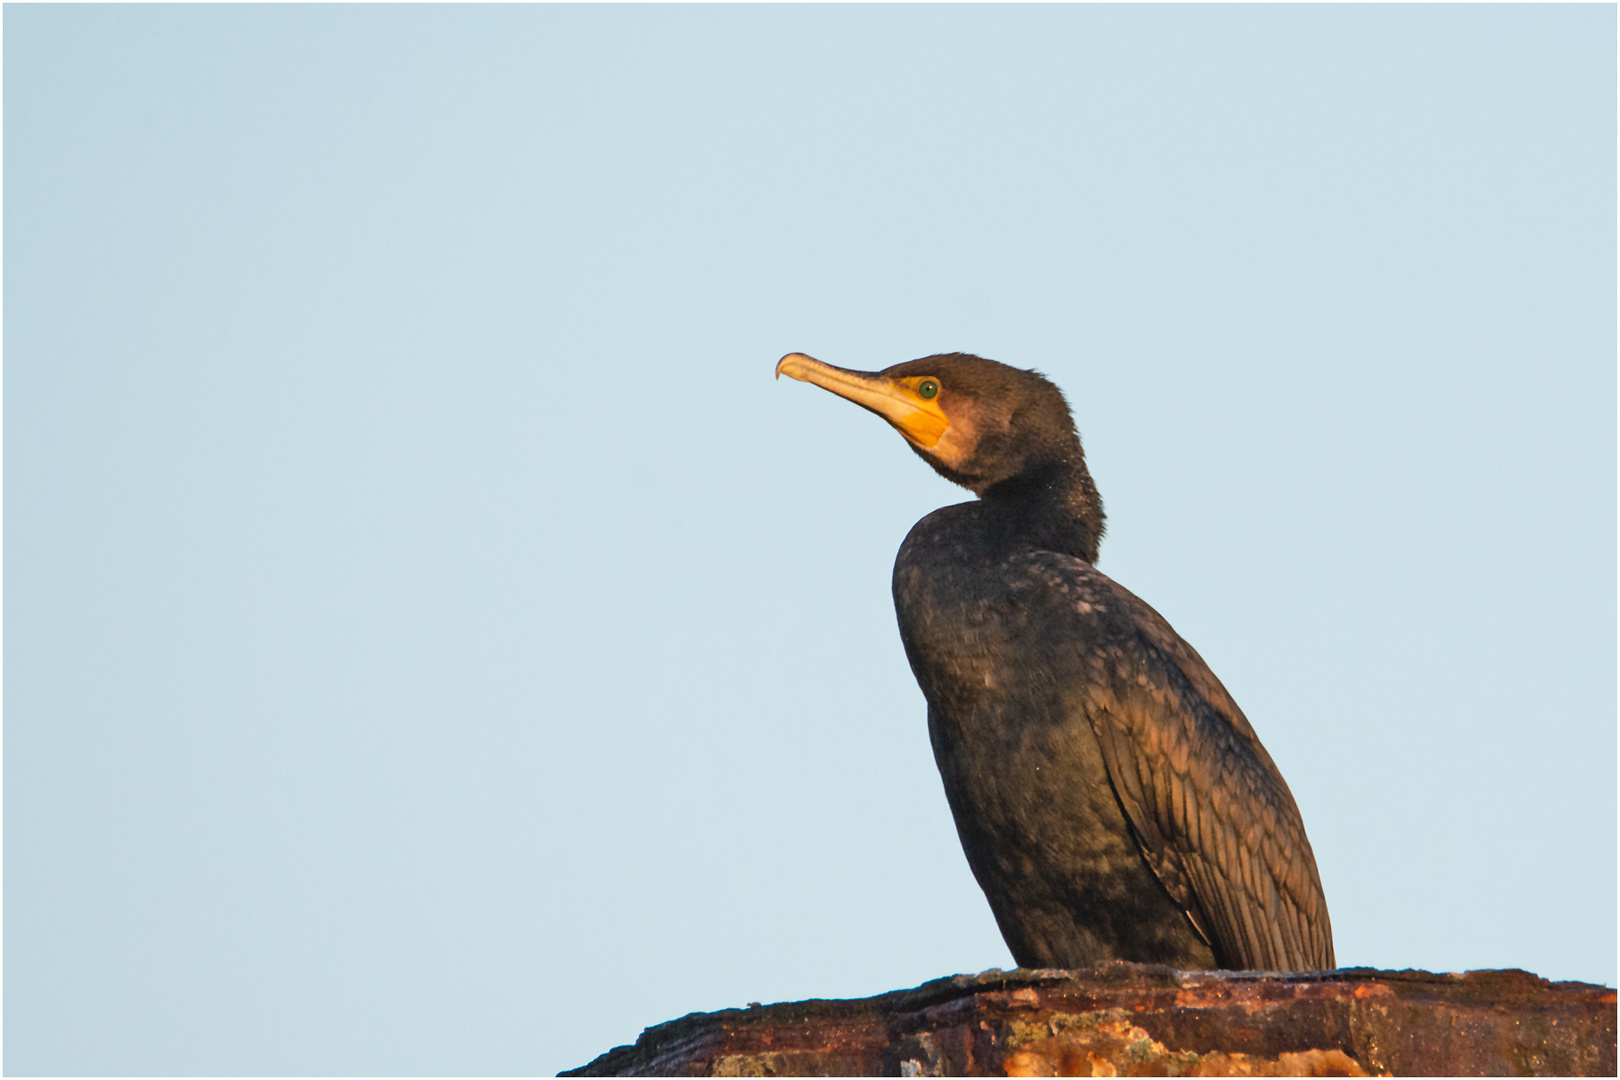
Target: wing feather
[{"x": 1212, "y": 814}]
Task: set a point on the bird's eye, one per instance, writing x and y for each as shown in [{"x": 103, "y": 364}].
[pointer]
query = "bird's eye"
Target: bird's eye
[{"x": 928, "y": 388}]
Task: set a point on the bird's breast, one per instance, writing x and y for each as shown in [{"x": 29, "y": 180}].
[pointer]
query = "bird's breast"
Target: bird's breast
[
  {"x": 981, "y": 623},
  {"x": 1000, "y": 654}
]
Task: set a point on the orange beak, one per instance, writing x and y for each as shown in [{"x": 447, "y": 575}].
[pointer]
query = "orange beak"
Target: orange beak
[{"x": 920, "y": 420}]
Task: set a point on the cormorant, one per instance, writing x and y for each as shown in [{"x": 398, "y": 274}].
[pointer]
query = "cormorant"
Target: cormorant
[{"x": 1111, "y": 798}]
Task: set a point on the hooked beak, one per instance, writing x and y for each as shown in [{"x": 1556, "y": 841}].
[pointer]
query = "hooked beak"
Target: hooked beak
[{"x": 921, "y": 421}]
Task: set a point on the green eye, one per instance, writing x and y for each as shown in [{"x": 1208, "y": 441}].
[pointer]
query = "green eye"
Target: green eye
[{"x": 928, "y": 388}]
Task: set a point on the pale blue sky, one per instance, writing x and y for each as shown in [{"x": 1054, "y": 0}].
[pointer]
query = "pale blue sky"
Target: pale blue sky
[{"x": 434, "y": 644}]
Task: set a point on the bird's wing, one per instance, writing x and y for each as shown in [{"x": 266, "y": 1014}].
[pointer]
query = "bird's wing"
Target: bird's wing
[{"x": 1214, "y": 818}]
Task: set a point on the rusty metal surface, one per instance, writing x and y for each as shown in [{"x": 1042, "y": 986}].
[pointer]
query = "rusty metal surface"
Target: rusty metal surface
[{"x": 1123, "y": 1019}]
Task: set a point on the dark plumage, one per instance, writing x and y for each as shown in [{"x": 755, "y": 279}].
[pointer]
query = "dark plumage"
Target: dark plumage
[{"x": 1111, "y": 798}]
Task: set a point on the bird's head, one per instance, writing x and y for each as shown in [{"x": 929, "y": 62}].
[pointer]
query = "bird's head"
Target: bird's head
[{"x": 979, "y": 423}]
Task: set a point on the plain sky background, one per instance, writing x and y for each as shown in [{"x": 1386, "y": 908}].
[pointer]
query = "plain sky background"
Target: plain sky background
[{"x": 434, "y": 644}]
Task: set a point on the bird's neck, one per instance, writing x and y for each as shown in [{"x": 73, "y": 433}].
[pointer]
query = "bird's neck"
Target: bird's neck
[{"x": 1053, "y": 508}]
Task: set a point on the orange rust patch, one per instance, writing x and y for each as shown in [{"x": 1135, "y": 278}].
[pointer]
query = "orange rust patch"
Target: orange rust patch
[{"x": 1061, "y": 1056}]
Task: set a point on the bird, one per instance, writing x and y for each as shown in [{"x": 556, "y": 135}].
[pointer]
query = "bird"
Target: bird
[{"x": 1111, "y": 798}]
